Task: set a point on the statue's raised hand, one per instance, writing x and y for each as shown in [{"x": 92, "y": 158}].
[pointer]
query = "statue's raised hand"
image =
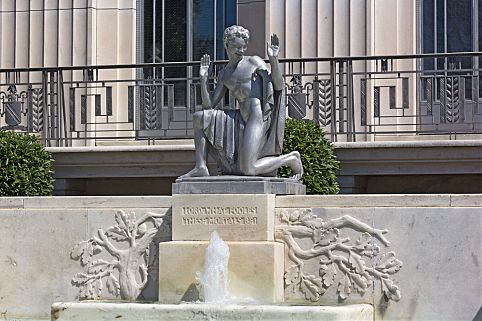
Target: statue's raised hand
[
  {"x": 273, "y": 47},
  {"x": 204, "y": 69}
]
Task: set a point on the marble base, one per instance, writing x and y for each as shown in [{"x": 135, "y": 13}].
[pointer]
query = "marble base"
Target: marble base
[
  {"x": 98, "y": 311},
  {"x": 236, "y": 217},
  {"x": 249, "y": 280},
  {"x": 238, "y": 185}
]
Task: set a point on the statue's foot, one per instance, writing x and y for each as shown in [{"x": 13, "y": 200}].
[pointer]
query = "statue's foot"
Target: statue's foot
[
  {"x": 296, "y": 177},
  {"x": 296, "y": 165},
  {"x": 196, "y": 172}
]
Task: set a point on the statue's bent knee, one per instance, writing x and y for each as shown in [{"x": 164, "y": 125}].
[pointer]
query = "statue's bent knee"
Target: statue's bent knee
[{"x": 248, "y": 169}]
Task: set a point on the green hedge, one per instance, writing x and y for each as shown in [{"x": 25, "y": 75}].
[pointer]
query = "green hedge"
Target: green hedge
[
  {"x": 317, "y": 155},
  {"x": 26, "y": 167}
]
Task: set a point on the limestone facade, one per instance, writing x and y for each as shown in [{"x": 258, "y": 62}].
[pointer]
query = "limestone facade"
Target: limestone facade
[
  {"x": 54, "y": 33},
  {"x": 93, "y": 32}
]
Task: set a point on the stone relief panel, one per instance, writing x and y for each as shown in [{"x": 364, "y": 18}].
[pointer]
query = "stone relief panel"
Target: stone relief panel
[
  {"x": 350, "y": 265},
  {"x": 120, "y": 259}
]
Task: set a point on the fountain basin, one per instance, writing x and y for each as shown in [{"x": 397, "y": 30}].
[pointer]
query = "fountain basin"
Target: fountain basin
[{"x": 101, "y": 311}]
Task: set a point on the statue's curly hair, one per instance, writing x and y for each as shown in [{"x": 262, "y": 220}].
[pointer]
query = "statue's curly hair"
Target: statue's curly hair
[{"x": 233, "y": 32}]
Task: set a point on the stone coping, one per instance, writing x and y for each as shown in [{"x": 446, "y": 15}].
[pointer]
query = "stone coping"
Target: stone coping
[
  {"x": 380, "y": 200},
  {"x": 188, "y": 145},
  {"x": 142, "y": 148},
  {"x": 298, "y": 201},
  {"x": 69, "y": 202},
  {"x": 408, "y": 144},
  {"x": 235, "y": 178}
]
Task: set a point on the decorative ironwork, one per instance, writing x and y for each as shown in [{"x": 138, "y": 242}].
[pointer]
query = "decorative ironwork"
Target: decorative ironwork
[
  {"x": 13, "y": 108},
  {"x": 363, "y": 102},
  {"x": 322, "y": 108},
  {"x": 392, "y": 95},
  {"x": 376, "y": 101},
  {"x": 341, "y": 98},
  {"x": 405, "y": 93},
  {"x": 428, "y": 94},
  {"x": 452, "y": 101},
  {"x": 351, "y": 98},
  {"x": 296, "y": 99},
  {"x": 149, "y": 104},
  {"x": 36, "y": 109}
]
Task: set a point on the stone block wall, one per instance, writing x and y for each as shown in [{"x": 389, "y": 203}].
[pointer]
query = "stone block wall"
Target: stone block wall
[
  {"x": 433, "y": 256},
  {"x": 430, "y": 268},
  {"x": 38, "y": 236}
]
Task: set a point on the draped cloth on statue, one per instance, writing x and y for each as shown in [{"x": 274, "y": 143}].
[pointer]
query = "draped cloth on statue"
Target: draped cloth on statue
[{"x": 224, "y": 130}]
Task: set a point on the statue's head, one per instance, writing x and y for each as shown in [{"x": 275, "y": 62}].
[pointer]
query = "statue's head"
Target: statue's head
[{"x": 235, "y": 40}]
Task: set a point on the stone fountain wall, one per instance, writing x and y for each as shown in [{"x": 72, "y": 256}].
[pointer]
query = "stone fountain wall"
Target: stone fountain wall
[
  {"x": 38, "y": 235},
  {"x": 433, "y": 259},
  {"x": 424, "y": 263}
]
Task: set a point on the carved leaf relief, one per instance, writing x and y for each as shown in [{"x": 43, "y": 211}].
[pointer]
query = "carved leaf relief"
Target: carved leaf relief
[
  {"x": 342, "y": 263},
  {"x": 119, "y": 274}
]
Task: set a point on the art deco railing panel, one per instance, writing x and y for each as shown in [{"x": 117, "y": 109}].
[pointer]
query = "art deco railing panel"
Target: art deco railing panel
[{"x": 353, "y": 98}]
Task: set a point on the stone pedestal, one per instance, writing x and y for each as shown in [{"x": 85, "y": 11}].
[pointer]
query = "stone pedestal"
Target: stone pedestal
[
  {"x": 236, "y": 217},
  {"x": 238, "y": 185},
  {"x": 246, "y": 223},
  {"x": 255, "y": 271}
]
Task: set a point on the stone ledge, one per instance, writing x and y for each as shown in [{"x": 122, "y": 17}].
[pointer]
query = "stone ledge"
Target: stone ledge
[
  {"x": 51, "y": 202},
  {"x": 93, "y": 311},
  {"x": 380, "y": 200},
  {"x": 11, "y": 202},
  {"x": 409, "y": 158},
  {"x": 409, "y": 144},
  {"x": 229, "y": 184},
  {"x": 357, "y": 160}
]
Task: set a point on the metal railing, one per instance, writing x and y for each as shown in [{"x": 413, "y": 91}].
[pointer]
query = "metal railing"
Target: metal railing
[{"x": 353, "y": 98}]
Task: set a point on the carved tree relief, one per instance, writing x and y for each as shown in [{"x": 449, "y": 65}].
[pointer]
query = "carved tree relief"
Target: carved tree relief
[
  {"x": 128, "y": 262},
  {"x": 342, "y": 262}
]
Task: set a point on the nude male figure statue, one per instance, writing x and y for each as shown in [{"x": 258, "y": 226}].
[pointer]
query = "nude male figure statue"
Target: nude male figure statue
[{"x": 247, "y": 141}]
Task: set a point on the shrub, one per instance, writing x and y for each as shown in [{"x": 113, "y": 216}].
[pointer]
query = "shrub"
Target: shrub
[
  {"x": 317, "y": 155},
  {"x": 26, "y": 167}
]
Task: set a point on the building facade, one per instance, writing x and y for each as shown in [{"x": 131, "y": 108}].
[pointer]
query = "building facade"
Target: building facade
[
  {"x": 53, "y": 33},
  {"x": 124, "y": 72},
  {"x": 93, "y": 32}
]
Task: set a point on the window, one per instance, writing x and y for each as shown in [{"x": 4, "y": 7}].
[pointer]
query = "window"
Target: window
[
  {"x": 448, "y": 26},
  {"x": 182, "y": 30},
  {"x": 452, "y": 26}
]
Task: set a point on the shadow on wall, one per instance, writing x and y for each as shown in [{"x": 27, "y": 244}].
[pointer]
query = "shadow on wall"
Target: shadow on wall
[
  {"x": 114, "y": 186},
  {"x": 424, "y": 184}
]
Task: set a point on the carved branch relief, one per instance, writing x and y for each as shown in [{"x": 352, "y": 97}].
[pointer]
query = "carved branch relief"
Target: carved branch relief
[
  {"x": 126, "y": 274},
  {"x": 342, "y": 262}
]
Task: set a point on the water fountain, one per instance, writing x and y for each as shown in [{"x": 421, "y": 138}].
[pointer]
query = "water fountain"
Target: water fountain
[
  {"x": 240, "y": 208},
  {"x": 213, "y": 280},
  {"x": 256, "y": 269}
]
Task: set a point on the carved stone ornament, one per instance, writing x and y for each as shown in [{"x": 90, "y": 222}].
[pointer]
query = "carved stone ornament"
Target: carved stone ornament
[
  {"x": 120, "y": 273},
  {"x": 343, "y": 263}
]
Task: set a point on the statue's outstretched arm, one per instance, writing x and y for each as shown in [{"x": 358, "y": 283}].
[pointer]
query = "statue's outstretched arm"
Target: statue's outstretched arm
[
  {"x": 208, "y": 101},
  {"x": 273, "y": 51}
]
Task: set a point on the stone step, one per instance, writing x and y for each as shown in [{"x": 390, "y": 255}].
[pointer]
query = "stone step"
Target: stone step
[{"x": 97, "y": 311}]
